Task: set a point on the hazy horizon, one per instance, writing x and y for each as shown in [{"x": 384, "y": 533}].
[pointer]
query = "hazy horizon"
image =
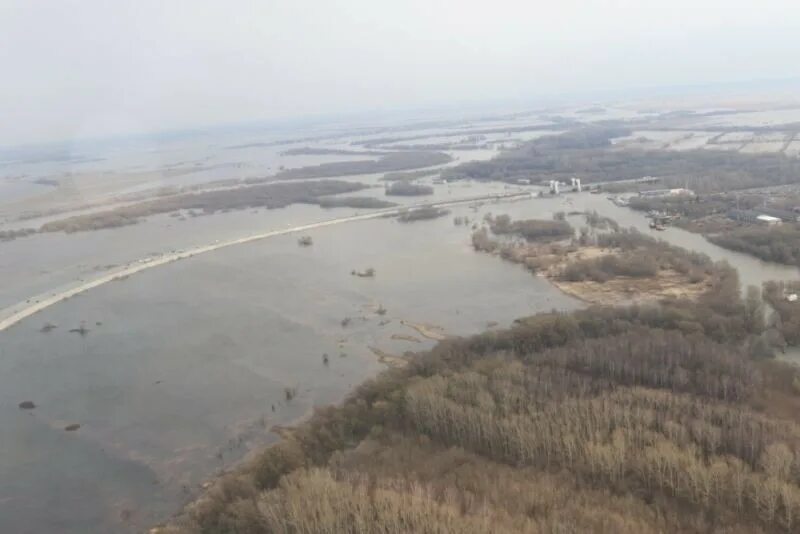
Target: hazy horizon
[{"x": 90, "y": 69}]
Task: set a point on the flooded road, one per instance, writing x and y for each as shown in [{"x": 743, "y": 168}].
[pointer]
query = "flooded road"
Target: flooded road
[{"x": 33, "y": 305}]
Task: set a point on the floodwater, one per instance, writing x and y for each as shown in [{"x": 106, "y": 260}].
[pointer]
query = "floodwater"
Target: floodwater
[
  {"x": 11, "y": 190},
  {"x": 189, "y": 359},
  {"x": 182, "y": 365},
  {"x": 183, "y": 369}
]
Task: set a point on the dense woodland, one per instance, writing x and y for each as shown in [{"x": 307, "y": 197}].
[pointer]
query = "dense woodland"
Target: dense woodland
[
  {"x": 787, "y": 319},
  {"x": 658, "y": 418},
  {"x": 779, "y": 244}
]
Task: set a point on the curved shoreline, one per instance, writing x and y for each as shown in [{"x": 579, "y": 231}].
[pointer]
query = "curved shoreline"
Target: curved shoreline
[{"x": 22, "y": 310}]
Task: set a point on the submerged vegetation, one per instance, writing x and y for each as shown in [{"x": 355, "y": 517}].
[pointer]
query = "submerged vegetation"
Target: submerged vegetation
[
  {"x": 409, "y": 175},
  {"x": 10, "y": 235},
  {"x": 531, "y": 229},
  {"x": 268, "y": 196},
  {"x": 421, "y": 214},
  {"x": 402, "y": 188},
  {"x": 367, "y": 203},
  {"x": 391, "y": 162}
]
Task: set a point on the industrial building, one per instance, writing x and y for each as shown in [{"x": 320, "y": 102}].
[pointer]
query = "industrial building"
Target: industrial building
[
  {"x": 769, "y": 220},
  {"x": 784, "y": 215},
  {"x": 752, "y": 216},
  {"x": 657, "y": 193}
]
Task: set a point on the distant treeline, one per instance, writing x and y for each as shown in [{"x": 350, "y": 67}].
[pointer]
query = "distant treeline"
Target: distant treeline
[
  {"x": 560, "y": 125},
  {"x": 316, "y": 151},
  {"x": 352, "y": 202},
  {"x": 269, "y": 196},
  {"x": 402, "y": 188},
  {"x": 409, "y": 175},
  {"x": 10, "y": 235},
  {"x": 396, "y": 161},
  {"x": 587, "y": 153},
  {"x": 421, "y": 214},
  {"x": 440, "y": 146}
]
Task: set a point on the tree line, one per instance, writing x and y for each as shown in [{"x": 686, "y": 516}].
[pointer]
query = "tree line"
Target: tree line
[{"x": 670, "y": 416}]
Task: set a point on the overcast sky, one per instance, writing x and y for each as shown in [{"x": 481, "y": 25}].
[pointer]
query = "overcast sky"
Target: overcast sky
[{"x": 88, "y": 68}]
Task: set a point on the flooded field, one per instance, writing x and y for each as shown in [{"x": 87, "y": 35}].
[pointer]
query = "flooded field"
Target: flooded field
[
  {"x": 180, "y": 367},
  {"x": 183, "y": 363},
  {"x": 177, "y": 372},
  {"x": 170, "y": 375}
]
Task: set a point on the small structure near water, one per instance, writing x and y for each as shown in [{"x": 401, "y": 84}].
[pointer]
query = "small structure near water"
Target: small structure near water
[
  {"x": 657, "y": 193},
  {"x": 752, "y": 216},
  {"x": 768, "y": 220}
]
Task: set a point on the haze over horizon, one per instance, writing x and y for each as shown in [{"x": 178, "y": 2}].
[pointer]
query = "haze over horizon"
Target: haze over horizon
[{"x": 78, "y": 69}]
